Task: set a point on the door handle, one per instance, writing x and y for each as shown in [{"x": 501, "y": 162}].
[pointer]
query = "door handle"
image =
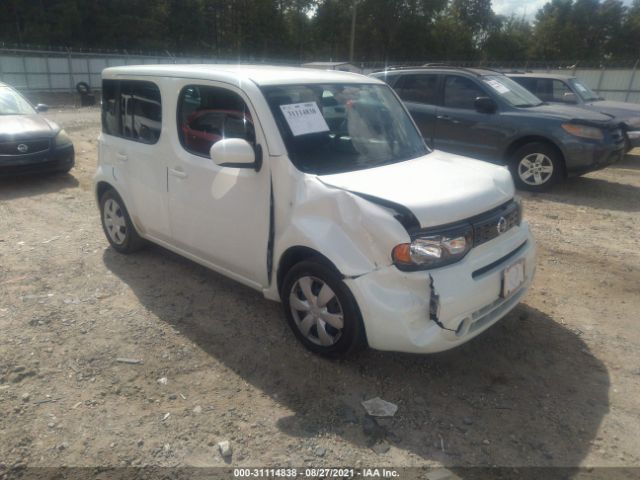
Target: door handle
[
  {"x": 447, "y": 118},
  {"x": 122, "y": 157},
  {"x": 178, "y": 172}
]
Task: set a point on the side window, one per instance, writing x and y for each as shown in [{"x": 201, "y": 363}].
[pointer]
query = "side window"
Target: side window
[
  {"x": 461, "y": 92},
  {"x": 528, "y": 83},
  {"x": 208, "y": 114},
  {"x": 110, "y": 122},
  {"x": 132, "y": 109},
  {"x": 544, "y": 89},
  {"x": 418, "y": 88},
  {"x": 559, "y": 89}
]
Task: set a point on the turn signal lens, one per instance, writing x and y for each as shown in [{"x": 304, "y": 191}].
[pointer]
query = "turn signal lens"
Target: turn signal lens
[
  {"x": 402, "y": 253},
  {"x": 583, "y": 131}
]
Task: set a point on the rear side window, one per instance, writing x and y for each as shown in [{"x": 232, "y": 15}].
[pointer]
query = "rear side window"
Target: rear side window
[
  {"x": 460, "y": 92},
  {"x": 208, "y": 114},
  {"x": 132, "y": 109},
  {"x": 418, "y": 88},
  {"x": 549, "y": 90},
  {"x": 528, "y": 83}
]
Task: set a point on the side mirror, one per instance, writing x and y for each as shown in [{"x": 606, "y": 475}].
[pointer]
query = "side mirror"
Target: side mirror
[
  {"x": 41, "y": 107},
  {"x": 485, "y": 105},
  {"x": 236, "y": 153},
  {"x": 570, "y": 97}
]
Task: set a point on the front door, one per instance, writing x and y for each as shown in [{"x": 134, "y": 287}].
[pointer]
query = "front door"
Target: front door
[
  {"x": 419, "y": 92},
  {"x": 460, "y": 128},
  {"x": 219, "y": 214}
]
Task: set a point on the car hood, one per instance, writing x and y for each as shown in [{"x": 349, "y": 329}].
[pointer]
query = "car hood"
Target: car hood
[
  {"x": 438, "y": 188},
  {"x": 620, "y": 110},
  {"x": 570, "y": 113},
  {"x": 16, "y": 127}
]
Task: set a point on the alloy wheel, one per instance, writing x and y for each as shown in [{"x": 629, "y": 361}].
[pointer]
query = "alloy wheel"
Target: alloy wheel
[{"x": 535, "y": 169}]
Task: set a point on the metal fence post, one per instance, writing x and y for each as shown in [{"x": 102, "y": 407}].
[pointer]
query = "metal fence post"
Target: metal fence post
[
  {"x": 46, "y": 62},
  {"x": 24, "y": 70},
  {"x": 633, "y": 76},
  {"x": 600, "y": 80},
  {"x": 70, "y": 63}
]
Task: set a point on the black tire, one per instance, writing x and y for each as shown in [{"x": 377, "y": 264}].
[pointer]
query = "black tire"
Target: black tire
[
  {"x": 131, "y": 240},
  {"x": 535, "y": 176},
  {"x": 352, "y": 336},
  {"x": 83, "y": 88}
]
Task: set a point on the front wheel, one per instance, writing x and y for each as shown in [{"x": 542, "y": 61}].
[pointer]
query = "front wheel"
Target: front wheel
[
  {"x": 117, "y": 224},
  {"x": 536, "y": 167},
  {"x": 321, "y": 310}
]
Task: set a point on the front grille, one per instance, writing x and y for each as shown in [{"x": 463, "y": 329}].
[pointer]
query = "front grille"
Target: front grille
[
  {"x": 491, "y": 224},
  {"x": 24, "y": 147}
]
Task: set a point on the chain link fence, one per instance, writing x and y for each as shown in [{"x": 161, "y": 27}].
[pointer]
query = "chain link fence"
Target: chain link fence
[{"x": 59, "y": 71}]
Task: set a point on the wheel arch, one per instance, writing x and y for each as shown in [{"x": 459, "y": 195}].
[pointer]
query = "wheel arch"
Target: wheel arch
[
  {"x": 102, "y": 187},
  {"x": 296, "y": 254}
]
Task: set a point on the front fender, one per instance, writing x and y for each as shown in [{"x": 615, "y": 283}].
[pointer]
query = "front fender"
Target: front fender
[{"x": 356, "y": 235}]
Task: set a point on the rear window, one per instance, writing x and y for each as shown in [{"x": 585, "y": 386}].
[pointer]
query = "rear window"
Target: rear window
[{"x": 132, "y": 109}]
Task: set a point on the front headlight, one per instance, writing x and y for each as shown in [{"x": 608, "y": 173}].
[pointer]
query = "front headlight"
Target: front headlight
[
  {"x": 434, "y": 249},
  {"x": 583, "y": 131},
  {"x": 62, "y": 139}
]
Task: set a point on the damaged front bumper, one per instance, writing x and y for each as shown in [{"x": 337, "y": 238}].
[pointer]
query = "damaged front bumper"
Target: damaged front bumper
[{"x": 435, "y": 310}]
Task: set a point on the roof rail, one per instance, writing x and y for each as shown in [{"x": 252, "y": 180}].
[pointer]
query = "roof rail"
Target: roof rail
[{"x": 438, "y": 65}]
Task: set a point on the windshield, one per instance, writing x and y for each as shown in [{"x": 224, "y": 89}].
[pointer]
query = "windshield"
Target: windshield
[
  {"x": 12, "y": 103},
  {"x": 513, "y": 93},
  {"x": 343, "y": 127},
  {"x": 583, "y": 91}
]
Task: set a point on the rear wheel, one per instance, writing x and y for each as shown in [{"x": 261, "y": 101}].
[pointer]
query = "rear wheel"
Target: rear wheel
[
  {"x": 536, "y": 167},
  {"x": 321, "y": 310},
  {"x": 117, "y": 224}
]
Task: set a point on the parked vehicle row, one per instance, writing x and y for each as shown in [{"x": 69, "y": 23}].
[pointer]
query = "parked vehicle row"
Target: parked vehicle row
[
  {"x": 376, "y": 219},
  {"x": 484, "y": 114}
]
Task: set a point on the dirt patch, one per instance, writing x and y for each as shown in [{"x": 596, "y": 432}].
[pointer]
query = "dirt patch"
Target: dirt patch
[{"x": 557, "y": 382}]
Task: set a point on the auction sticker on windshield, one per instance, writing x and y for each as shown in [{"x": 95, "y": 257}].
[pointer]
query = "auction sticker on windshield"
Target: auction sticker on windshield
[
  {"x": 304, "y": 118},
  {"x": 497, "y": 86}
]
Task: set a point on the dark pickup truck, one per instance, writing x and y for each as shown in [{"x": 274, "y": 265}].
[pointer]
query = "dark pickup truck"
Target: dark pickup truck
[{"x": 484, "y": 114}]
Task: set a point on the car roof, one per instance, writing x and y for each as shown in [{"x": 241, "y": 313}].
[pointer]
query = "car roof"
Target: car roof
[
  {"x": 556, "y": 76},
  {"x": 438, "y": 69},
  {"x": 236, "y": 74}
]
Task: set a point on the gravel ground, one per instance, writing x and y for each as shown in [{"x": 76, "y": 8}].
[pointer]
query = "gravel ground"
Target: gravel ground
[{"x": 555, "y": 383}]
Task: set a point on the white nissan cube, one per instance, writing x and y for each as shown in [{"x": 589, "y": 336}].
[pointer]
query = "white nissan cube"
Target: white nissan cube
[{"x": 316, "y": 189}]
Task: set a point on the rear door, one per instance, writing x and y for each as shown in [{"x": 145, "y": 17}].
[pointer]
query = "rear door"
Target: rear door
[
  {"x": 460, "y": 128},
  {"x": 419, "y": 92},
  {"x": 132, "y": 118}
]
